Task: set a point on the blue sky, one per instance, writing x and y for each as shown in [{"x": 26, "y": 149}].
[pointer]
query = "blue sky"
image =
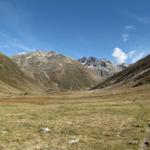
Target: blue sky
[{"x": 118, "y": 30}]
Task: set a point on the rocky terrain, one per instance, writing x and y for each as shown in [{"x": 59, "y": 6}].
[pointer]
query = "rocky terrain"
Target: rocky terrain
[
  {"x": 135, "y": 75},
  {"x": 103, "y": 67},
  {"x": 13, "y": 80},
  {"x": 51, "y": 71},
  {"x": 55, "y": 71}
]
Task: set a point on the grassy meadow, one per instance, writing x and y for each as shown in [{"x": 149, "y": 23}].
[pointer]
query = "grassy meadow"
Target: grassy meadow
[{"x": 99, "y": 120}]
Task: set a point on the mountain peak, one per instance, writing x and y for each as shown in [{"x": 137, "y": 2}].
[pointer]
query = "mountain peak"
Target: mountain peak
[
  {"x": 135, "y": 75},
  {"x": 56, "y": 71},
  {"x": 102, "y": 66}
]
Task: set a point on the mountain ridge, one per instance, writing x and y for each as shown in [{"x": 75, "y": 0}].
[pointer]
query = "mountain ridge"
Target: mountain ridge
[
  {"x": 56, "y": 71},
  {"x": 103, "y": 67},
  {"x": 135, "y": 75}
]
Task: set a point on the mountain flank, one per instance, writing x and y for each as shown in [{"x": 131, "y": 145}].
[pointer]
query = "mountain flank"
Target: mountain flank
[
  {"x": 135, "y": 75},
  {"x": 13, "y": 80},
  {"x": 55, "y": 71}
]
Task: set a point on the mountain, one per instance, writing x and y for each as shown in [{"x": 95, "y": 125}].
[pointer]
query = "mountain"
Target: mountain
[
  {"x": 13, "y": 80},
  {"x": 102, "y": 66},
  {"x": 55, "y": 71},
  {"x": 135, "y": 75}
]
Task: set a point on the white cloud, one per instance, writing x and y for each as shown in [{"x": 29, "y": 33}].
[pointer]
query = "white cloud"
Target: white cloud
[
  {"x": 138, "y": 57},
  {"x": 119, "y": 55},
  {"x": 125, "y": 37},
  {"x": 8, "y": 42},
  {"x": 143, "y": 20},
  {"x": 18, "y": 45},
  {"x": 139, "y": 18},
  {"x": 131, "y": 53},
  {"x": 129, "y": 27},
  {"x": 130, "y": 57}
]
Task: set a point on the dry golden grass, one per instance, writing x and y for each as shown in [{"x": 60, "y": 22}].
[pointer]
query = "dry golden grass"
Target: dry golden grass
[{"x": 101, "y": 120}]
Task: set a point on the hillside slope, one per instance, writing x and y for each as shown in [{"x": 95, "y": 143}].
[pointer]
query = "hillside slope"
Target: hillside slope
[
  {"x": 55, "y": 71},
  {"x": 13, "y": 80},
  {"x": 133, "y": 76}
]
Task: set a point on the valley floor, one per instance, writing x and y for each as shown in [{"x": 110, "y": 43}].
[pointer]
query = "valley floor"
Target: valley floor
[{"x": 99, "y": 120}]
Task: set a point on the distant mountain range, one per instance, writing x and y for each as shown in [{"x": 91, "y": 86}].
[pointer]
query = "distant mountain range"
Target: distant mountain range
[
  {"x": 103, "y": 67},
  {"x": 135, "y": 75},
  {"x": 39, "y": 72},
  {"x": 55, "y": 71}
]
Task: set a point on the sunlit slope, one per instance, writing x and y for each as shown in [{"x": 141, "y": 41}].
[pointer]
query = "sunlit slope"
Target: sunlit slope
[
  {"x": 12, "y": 79},
  {"x": 56, "y": 71}
]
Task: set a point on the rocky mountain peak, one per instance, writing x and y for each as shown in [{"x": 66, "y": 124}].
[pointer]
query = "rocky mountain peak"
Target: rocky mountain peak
[
  {"x": 104, "y": 67},
  {"x": 41, "y": 54},
  {"x": 134, "y": 75}
]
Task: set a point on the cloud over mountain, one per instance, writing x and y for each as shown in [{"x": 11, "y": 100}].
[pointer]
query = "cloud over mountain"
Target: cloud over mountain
[
  {"x": 119, "y": 55},
  {"x": 131, "y": 56}
]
